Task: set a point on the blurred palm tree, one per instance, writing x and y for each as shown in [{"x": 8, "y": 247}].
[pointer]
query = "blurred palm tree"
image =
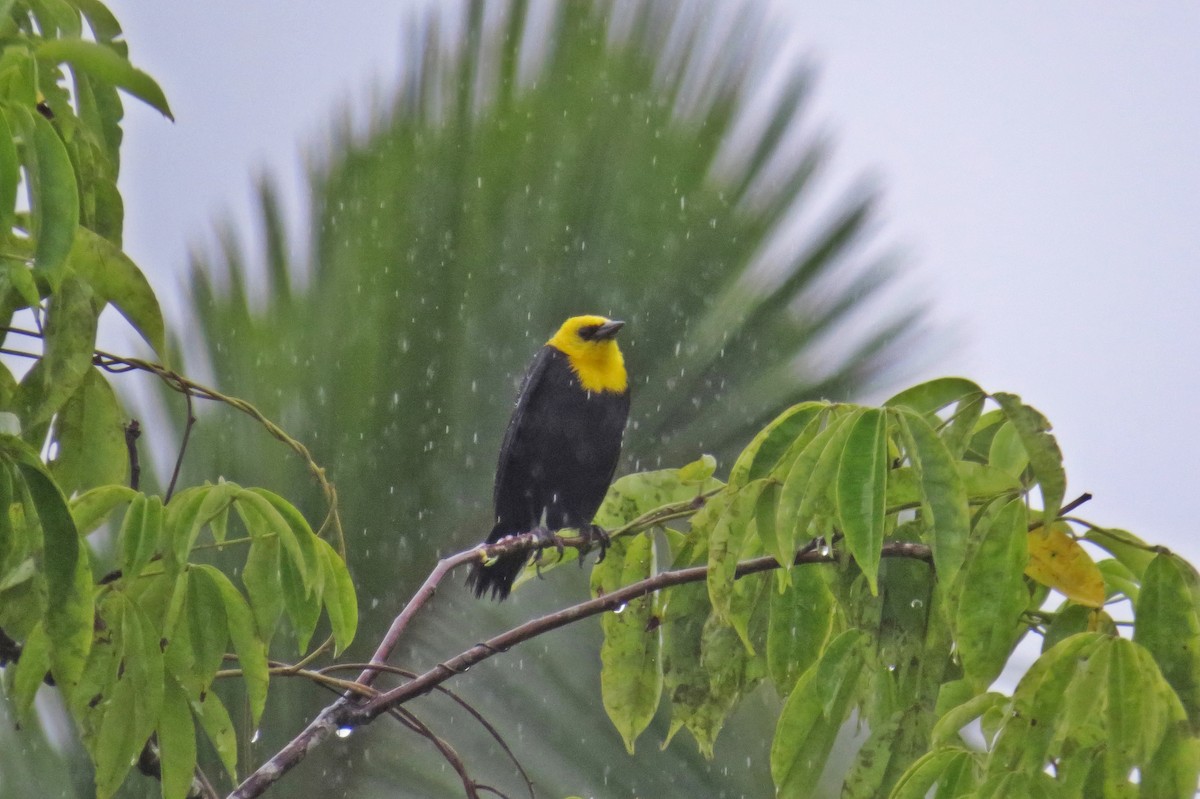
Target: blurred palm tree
[{"x": 624, "y": 158}]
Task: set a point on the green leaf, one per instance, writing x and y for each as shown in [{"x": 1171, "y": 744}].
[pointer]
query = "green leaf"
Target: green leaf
[
  {"x": 302, "y": 606},
  {"x": 944, "y": 499},
  {"x": 70, "y": 339},
  {"x": 698, "y": 471},
  {"x": 801, "y": 621},
  {"x": 1126, "y": 547},
  {"x": 980, "y": 481},
  {"x": 1044, "y": 455},
  {"x": 947, "y": 729},
  {"x": 993, "y": 596},
  {"x": 116, "y": 279},
  {"x": 1024, "y": 741},
  {"x": 862, "y": 492},
  {"x": 929, "y": 397},
  {"x": 726, "y": 543},
  {"x": 141, "y": 533},
  {"x": 261, "y": 577},
  {"x": 90, "y": 434},
  {"x": 1007, "y": 453},
  {"x": 1118, "y": 580},
  {"x": 10, "y": 175},
  {"x": 731, "y": 672},
  {"x": 765, "y": 513},
  {"x": 338, "y": 595},
  {"x": 214, "y": 720},
  {"x": 961, "y": 426},
  {"x": 135, "y": 702},
  {"x": 54, "y": 201},
  {"x": 28, "y": 673},
  {"x": 796, "y": 495},
  {"x": 1069, "y": 620},
  {"x": 250, "y": 649},
  {"x": 631, "y": 679},
  {"x": 941, "y": 767},
  {"x": 262, "y": 518},
  {"x": 306, "y": 540},
  {"x": 183, "y": 524},
  {"x": 764, "y": 451},
  {"x": 1024, "y": 785},
  {"x": 176, "y": 742},
  {"x": 869, "y": 771},
  {"x": 108, "y": 65},
  {"x": 1173, "y": 772},
  {"x": 207, "y": 626},
  {"x": 684, "y": 612},
  {"x": 91, "y": 508},
  {"x": 813, "y": 714},
  {"x": 69, "y": 609},
  {"x": 1168, "y": 626}
]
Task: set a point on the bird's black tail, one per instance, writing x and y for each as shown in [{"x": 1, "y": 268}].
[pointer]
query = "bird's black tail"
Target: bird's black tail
[{"x": 498, "y": 576}]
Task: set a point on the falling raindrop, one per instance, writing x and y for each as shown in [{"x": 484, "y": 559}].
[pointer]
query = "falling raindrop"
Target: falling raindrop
[{"x": 916, "y": 603}]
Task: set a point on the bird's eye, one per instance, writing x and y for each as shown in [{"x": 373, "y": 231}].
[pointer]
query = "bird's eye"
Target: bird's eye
[{"x": 588, "y": 332}]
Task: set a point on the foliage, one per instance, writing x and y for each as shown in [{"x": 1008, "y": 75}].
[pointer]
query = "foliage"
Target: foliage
[
  {"x": 909, "y": 648},
  {"x": 132, "y": 651}
]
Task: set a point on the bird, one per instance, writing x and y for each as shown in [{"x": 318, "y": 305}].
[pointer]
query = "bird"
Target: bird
[{"x": 561, "y": 446}]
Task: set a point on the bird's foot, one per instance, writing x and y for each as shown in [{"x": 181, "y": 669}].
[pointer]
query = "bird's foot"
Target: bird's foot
[
  {"x": 547, "y": 538},
  {"x": 595, "y": 534}
]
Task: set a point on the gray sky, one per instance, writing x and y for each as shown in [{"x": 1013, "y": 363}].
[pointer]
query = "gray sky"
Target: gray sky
[{"x": 1039, "y": 163}]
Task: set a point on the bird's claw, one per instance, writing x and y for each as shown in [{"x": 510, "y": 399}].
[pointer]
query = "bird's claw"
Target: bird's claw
[
  {"x": 597, "y": 534},
  {"x": 547, "y": 538}
]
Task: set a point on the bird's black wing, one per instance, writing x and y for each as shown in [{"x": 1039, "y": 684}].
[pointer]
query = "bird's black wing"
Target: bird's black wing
[{"x": 529, "y": 386}]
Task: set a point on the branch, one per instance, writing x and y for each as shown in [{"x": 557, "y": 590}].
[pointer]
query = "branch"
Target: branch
[
  {"x": 344, "y": 713},
  {"x": 133, "y": 431},
  {"x": 187, "y": 434}
]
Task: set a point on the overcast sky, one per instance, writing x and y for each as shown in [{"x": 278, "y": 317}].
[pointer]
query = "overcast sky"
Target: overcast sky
[{"x": 1039, "y": 163}]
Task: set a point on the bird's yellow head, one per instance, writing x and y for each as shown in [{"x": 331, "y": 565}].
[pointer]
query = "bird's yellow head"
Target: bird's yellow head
[{"x": 589, "y": 342}]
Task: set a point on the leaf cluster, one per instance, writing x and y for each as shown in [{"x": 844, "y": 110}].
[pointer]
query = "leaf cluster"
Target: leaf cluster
[
  {"x": 134, "y": 652},
  {"x": 905, "y": 650}
]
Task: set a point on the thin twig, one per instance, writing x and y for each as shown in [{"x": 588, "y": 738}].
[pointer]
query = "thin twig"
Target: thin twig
[
  {"x": 479, "y": 786},
  {"x": 133, "y": 432},
  {"x": 446, "y": 750},
  {"x": 1070, "y": 506},
  {"x": 187, "y": 434},
  {"x": 200, "y": 779}
]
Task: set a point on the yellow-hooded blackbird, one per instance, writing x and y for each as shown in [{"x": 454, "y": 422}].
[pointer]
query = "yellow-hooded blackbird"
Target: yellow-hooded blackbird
[{"x": 562, "y": 442}]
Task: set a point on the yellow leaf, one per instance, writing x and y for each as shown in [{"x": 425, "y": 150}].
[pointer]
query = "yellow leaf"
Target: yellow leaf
[{"x": 1057, "y": 560}]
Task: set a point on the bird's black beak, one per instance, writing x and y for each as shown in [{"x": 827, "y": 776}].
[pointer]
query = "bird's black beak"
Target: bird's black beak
[{"x": 607, "y": 330}]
